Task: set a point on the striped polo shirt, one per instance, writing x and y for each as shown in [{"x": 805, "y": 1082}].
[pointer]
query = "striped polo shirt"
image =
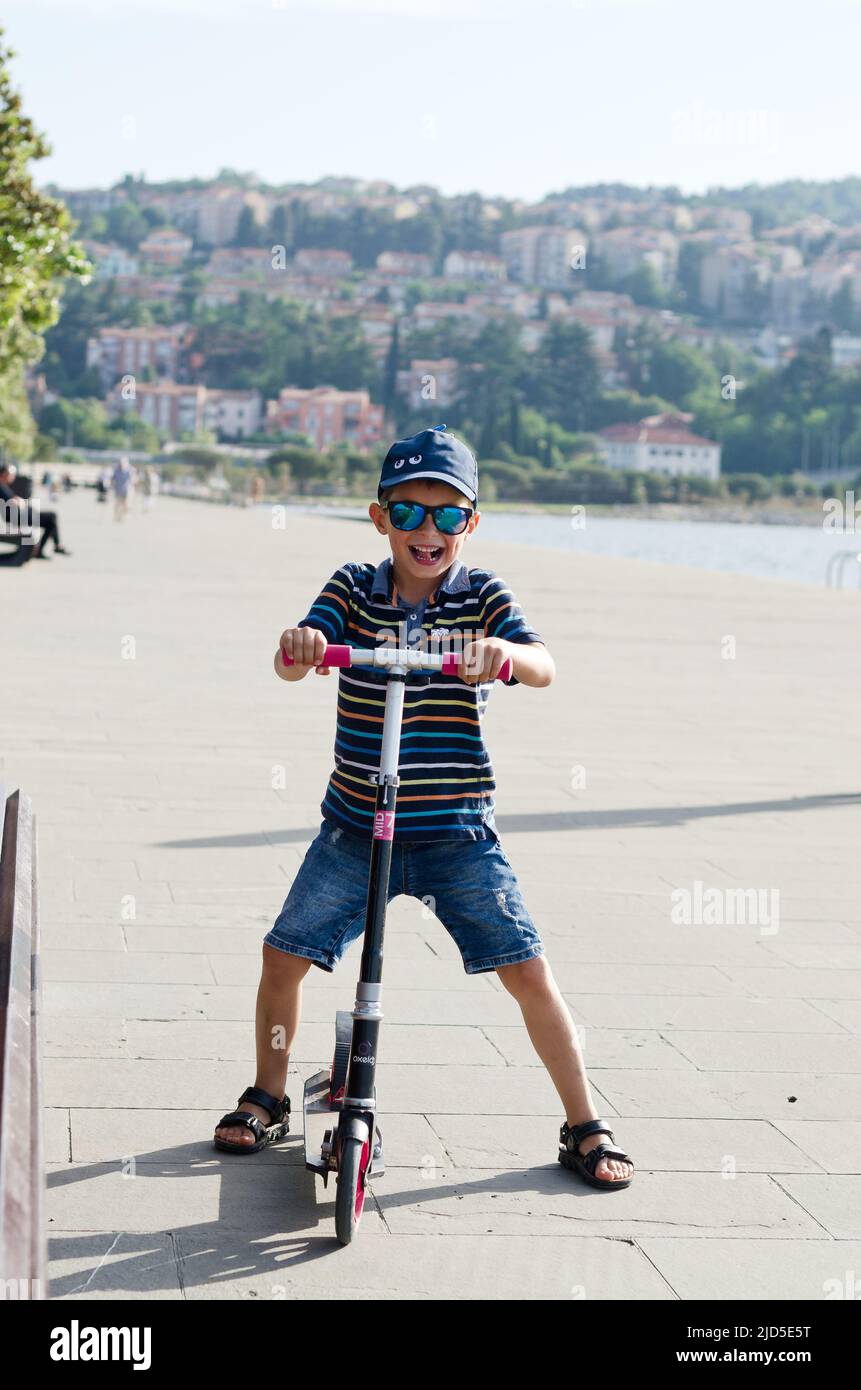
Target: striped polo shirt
[{"x": 447, "y": 786}]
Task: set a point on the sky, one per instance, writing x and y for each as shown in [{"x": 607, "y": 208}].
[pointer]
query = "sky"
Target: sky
[{"x": 513, "y": 98}]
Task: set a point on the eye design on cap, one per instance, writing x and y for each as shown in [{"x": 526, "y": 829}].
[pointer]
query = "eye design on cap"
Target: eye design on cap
[
  {"x": 399, "y": 463},
  {"x": 416, "y": 458}
]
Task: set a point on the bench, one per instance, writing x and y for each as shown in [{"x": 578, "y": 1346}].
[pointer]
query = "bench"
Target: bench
[
  {"x": 23, "y": 1241},
  {"x": 22, "y": 546},
  {"x": 23, "y": 542}
]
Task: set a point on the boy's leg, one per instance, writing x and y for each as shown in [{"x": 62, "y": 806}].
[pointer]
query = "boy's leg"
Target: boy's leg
[
  {"x": 324, "y": 911},
  {"x": 475, "y": 894},
  {"x": 554, "y": 1037},
  {"x": 279, "y": 1004}
]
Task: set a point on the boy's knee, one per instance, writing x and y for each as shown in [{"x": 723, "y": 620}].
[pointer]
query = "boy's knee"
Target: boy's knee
[
  {"x": 526, "y": 976},
  {"x": 282, "y": 965}
]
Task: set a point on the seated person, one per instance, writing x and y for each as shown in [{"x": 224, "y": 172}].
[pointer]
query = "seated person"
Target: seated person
[{"x": 28, "y": 516}]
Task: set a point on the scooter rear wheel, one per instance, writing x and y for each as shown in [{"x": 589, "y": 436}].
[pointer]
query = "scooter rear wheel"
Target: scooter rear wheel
[{"x": 353, "y": 1160}]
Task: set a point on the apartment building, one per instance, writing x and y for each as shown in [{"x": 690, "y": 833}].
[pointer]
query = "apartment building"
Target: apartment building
[
  {"x": 165, "y": 247},
  {"x": 149, "y": 289},
  {"x": 625, "y": 250},
  {"x": 110, "y": 260},
  {"x": 175, "y": 409},
  {"x": 619, "y": 307},
  {"x": 235, "y": 414},
  {"x": 314, "y": 260},
  {"x": 846, "y": 351},
  {"x": 828, "y": 275},
  {"x": 790, "y": 300},
  {"x": 805, "y": 232},
  {"x": 218, "y": 211},
  {"x": 226, "y": 289},
  {"x": 118, "y": 352},
  {"x": 729, "y": 276},
  {"x": 404, "y": 265},
  {"x": 431, "y": 313},
  {"x": 543, "y": 255},
  {"x": 659, "y": 444},
  {"x": 241, "y": 260},
  {"x": 87, "y": 202},
  {"x": 327, "y": 416},
  {"x": 479, "y": 266}
]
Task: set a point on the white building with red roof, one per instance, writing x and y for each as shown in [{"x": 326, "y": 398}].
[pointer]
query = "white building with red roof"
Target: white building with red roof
[{"x": 659, "y": 444}]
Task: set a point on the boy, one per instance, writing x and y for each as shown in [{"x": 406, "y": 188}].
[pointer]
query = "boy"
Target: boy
[{"x": 446, "y": 845}]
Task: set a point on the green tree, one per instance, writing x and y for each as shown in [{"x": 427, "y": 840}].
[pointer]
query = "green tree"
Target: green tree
[
  {"x": 199, "y": 457},
  {"x": 248, "y": 231},
  {"x": 644, "y": 286},
  {"x": 305, "y": 465},
  {"x": 843, "y": 308},
  {"x": 676, "y": 371},
  {"x": 564, "y": 375},
  {"x": 488, "y": 380},
  {"x": 36, "y": 253},
  {"x": 390, "y": 370},
  {"x": 86, "y": 309},
  {"x": 17, "y": 430},
  {"x": 127, "y": 224}
]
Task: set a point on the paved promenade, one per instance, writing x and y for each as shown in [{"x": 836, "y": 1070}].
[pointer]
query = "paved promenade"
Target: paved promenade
[{"x": 702, "y": 736}]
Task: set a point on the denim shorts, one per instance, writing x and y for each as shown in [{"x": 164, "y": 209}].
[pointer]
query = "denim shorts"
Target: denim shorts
[{"x": 468, "y": 884}]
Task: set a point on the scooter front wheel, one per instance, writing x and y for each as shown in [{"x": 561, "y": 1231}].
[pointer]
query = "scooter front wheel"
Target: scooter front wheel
[{"x": 353, "y": 1161}]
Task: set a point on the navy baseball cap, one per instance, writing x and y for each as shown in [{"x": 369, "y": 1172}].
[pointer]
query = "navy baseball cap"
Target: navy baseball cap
[{"x": 431, "y": 453}]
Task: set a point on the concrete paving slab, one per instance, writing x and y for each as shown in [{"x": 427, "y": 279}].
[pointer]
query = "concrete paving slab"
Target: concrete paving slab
[
  {"x": 507, "y": 1268},
  {"x": 807, "y": 1270},
  {"x": 95, "y": 1265},
  {"x": 158, "y": 787},
  {"x": 217, "y": 1040},
  {"x": 693, "y": 1012},
  {"x": 750, "y": 1095},
  {"x": 162, "y": 1136},
  {"x": 833, "y": 1200},
  {"x": 670, "y": 1146},
  {"x": 551, "y": 1200}
]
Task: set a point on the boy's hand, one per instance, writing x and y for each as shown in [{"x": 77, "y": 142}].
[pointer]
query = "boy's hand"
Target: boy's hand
[
  {"x": 483, "y": 659},
  {"x": 306, "y": 646}
]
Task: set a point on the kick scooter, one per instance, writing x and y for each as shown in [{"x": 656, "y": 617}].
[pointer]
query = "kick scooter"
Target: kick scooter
[{"x": 347, "y": 1090}]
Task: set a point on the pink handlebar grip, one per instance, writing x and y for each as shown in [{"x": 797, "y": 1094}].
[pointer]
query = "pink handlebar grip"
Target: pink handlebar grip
[
  {"x": 451, "y": 666},
  {"x": 332, "y": 656}
]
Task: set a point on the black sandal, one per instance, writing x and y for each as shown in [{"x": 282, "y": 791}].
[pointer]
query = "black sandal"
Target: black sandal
[
  {"x": 585, "y": 1164},
  {"x": 279, "y": 1112}
]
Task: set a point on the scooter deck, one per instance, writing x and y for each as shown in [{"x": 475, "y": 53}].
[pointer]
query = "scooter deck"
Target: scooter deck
[{"x": 317, "y": 1101}]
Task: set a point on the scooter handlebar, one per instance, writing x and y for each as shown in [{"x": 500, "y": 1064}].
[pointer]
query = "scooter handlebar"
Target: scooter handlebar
[{"x": 447, "y": 662}]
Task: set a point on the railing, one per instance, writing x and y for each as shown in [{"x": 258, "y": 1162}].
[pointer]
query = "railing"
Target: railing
[
  {"x": 23, "y": 1242},
  {"x": 836, "y": 566}
]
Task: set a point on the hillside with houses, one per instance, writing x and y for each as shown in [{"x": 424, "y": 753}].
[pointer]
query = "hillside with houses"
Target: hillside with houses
[{"x": 709, "y": 338}]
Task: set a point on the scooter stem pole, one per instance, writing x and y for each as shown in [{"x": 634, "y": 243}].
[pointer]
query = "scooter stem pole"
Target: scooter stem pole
[{"x": 367, "y": 1013}]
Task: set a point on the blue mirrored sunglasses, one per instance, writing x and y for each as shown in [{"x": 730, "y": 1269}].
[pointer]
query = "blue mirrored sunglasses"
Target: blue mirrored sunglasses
[{"x": 408, "y": 516}]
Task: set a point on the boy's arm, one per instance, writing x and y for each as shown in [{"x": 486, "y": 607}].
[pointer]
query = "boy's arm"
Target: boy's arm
[
  {"x": 327, "y": 615},
  {"x": 532, "y": 663},
  {"x": 505, "y": 621}
]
